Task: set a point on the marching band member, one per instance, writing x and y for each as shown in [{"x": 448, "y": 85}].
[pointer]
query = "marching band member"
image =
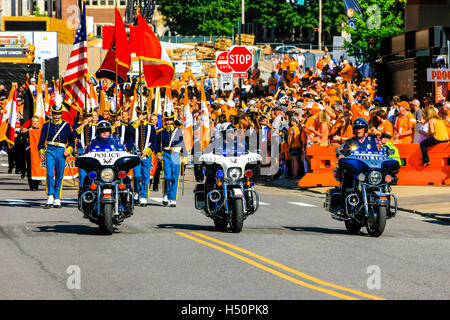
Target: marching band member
[
  {"x": 54, "y": 146},
  {"x": 85, "y": 131},
  {"x": 170, "y": 147},
  {"x": 142, "y": 140}
]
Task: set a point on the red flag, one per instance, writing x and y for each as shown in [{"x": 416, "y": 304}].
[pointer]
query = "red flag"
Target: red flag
[
  {"x": 158, "y": 69},
  {"x": 11, "y": 128},
  {"x": 118, "y": 56}
]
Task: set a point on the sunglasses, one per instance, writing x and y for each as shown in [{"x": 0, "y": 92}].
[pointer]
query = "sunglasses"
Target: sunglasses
[{"x": 358, "y": 127}]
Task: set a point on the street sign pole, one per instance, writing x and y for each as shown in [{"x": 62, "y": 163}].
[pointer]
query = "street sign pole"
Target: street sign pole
[{"x": 239, "y": 31}]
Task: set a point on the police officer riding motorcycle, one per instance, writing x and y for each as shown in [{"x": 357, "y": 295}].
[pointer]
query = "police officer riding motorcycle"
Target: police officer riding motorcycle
[
  {"x": 106, "y": 196},
  {"x": 365, "y": 175}
]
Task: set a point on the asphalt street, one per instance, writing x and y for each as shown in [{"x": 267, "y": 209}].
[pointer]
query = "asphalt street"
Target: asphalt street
[{"x": 290, "y": 249}]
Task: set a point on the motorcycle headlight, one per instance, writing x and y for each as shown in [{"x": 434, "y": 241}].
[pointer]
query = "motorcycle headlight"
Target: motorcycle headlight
[
  {"x": 375, "y": 177},
  {"x": 234, "y": 173},
  {"x": 107, "y": 175},
  {"x": 361, "y": 177}
]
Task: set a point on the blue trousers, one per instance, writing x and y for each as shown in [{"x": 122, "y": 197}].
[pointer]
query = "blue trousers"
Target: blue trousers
[
  {"x": 55, "y": 163},
  {"x": 82, "y": 174},
  {"x": 171, "y": 167},
  {"x": 141, "y": 176}
]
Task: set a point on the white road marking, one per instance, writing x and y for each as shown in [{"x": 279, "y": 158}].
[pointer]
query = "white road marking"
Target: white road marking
[
  {"x": 302, "y": 204},
  {"x": 263, "y": 204}
]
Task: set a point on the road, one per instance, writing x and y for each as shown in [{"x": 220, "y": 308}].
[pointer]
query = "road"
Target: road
[{"x": 289, "y": 250}]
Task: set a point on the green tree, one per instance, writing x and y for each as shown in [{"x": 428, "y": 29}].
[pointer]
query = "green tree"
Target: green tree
[
  {"x": 217, "y": 17},
  {"x": 37, "y": 12},
  {"x": 382, "y": 18},
  {"x": 200, "y": 17}
]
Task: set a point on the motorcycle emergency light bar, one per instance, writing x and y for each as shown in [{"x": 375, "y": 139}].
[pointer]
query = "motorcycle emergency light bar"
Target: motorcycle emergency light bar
[
  {"x": 92, "y": 175},
  {"x": 122, "y": 174},
  {"x": 93, "y": 187},
  {"x": 220, "y": 174},
  {"x": 249, "y": 173}
]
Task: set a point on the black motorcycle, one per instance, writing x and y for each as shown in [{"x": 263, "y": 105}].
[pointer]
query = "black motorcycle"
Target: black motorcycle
[
  {"x": 106, "y": 197},
  {"x": 227, "y": 195},
  {"x": 364, "y": 195}
]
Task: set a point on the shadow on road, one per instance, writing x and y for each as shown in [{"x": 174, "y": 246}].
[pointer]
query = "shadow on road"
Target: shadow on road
[
  {"x": 70, "y": 229},
  {"x": 320, "y": 230},
  {"x": 192, "y": 227}
]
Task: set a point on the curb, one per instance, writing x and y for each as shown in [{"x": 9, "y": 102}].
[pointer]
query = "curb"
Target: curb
[{"x": 424, "y": 214}]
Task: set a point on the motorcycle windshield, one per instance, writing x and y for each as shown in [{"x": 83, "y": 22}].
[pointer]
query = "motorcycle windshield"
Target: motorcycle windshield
[{"x": 363, "y": 162}]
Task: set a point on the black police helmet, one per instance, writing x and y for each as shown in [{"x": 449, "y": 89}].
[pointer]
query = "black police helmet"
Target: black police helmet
[
  {"x": 360, "y": 123},
  {"x": 103, "y": 126}
]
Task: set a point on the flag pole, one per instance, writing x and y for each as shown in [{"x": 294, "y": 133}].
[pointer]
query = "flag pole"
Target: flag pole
[{"x": 139, "y": 85}]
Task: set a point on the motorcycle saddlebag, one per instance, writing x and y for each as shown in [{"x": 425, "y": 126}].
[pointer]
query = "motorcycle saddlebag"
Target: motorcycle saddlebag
[
  {"x": 199, "y": 194},
  {"x": 333, "y": 201}
]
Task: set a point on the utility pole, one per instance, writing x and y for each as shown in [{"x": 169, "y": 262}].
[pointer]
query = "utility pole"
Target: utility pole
[
  {"x": 320, "y": 25},
  {"x": 243, "y": 11}
]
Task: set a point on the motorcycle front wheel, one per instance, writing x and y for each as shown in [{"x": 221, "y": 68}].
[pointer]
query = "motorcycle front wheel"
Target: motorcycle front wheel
[
  {"x": 376, "y": 227},
  {"x": 106, "y": 222},
  {"x": 352, "y": 227},
  {"x": 237, "y": 218},
  {"x": 220, "y": 223}
]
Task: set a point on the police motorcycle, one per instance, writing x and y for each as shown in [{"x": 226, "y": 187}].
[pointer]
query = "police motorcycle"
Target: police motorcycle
[
  {"x": 364, "y": 195},
  {"x": 106, "y": 197},
  {"x": 227, "y": 195}
]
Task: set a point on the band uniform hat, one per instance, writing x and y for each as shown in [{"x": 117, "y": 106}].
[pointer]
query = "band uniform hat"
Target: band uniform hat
[
  {"x": 88, "y": 111},
  {"x": 57, "y": 107},
  {"x": 169, "y": 116},
  {"x": 142, "y": 109}
]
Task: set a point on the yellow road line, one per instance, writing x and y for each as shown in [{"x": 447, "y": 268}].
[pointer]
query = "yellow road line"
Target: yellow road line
[
  {"x": 299, "y": 273},
  {"x": 270, "y": 270}
]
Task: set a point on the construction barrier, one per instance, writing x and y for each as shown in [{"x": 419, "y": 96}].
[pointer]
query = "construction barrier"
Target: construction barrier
[{"x": 323, "y": 160}]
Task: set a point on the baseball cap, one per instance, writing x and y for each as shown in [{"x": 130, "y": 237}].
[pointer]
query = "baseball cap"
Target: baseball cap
[{"x": 404, "y": 104}]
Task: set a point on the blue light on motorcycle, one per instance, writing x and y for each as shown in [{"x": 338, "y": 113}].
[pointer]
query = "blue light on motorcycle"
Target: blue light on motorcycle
[
  {"x": 92, "y": 175},
  {"x": 220, "y": 173}
]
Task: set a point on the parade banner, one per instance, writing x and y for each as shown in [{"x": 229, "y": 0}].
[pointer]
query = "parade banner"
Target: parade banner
[
  {"x": 441, "y": 75},
  {"x": 38, "y": 170}
]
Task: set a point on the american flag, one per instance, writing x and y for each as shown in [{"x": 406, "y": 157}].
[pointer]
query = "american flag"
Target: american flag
[{"x": 75, "y": 80}]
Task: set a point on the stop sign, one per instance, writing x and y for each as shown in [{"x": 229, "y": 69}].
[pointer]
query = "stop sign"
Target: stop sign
[
  {"x": 240, "y": 59},
  {"x": 222, "y": 63}
]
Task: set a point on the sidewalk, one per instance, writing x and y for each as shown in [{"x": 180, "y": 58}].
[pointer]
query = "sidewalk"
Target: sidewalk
[{"x": 429, "y": 201}]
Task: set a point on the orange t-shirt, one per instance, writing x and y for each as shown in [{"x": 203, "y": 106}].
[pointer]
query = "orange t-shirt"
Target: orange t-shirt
[
  {"x": 293, "y": 65},
  {"x": 404, "y": 124},
  {"x": 272, "y": 83},
  {"x": 294, "y": 137},
  {"x": 360, "y": 112},
  {"x": 187, "y": 75},
  {"x": 386, "y": 127},
  {"x": 347, "y": 73}
]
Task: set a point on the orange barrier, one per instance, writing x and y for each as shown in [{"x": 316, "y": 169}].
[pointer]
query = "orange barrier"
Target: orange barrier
[
  {"x": 414, "y": 173},
  {"x": 323, "y": 161}
]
